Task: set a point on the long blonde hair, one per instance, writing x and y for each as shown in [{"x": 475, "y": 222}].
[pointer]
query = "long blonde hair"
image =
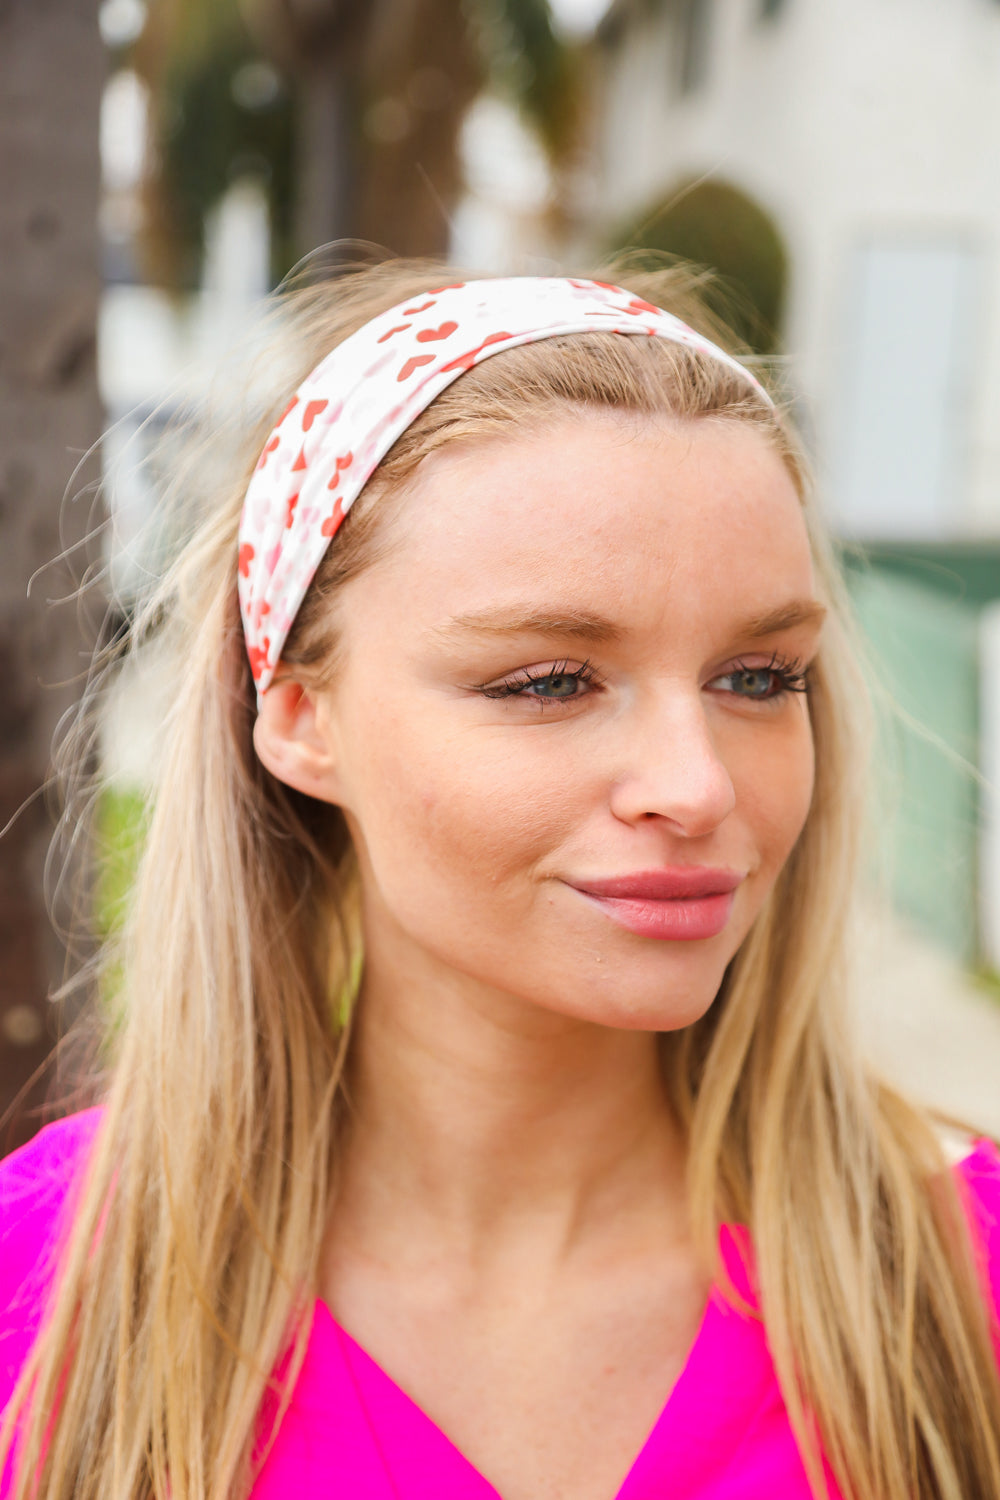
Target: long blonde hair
[{"x": 191, "y": 1267}]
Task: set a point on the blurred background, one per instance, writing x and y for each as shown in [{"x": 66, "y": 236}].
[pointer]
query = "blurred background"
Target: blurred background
[{"x": 166, "y": 162}]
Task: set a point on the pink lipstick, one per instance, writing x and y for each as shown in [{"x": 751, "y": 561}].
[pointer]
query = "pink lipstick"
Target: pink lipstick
[{"x": 681, "y": 903}]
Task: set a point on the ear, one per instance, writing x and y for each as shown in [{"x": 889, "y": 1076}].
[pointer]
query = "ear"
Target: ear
[{"x": 293, "y": 740}]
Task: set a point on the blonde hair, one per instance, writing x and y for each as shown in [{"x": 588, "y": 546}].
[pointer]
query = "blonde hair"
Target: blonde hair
[{"x": 191, "y": 1267}]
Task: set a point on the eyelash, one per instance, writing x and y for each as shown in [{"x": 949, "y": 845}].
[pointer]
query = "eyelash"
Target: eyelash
[
  {"x": 513, "y": 687},
  {"x": 791, "y": 677}
]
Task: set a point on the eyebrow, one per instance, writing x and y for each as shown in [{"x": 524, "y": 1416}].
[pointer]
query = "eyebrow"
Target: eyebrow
[
  {"x": 571, "y": 624},
  {"x": 786, "y": 617},
  {"x": 568, "y": 623}
]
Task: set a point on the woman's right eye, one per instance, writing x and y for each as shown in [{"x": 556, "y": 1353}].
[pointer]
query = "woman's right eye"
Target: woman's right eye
[
  {"x": 550, "y": 685},
  {"x": 556, "y": 685}
]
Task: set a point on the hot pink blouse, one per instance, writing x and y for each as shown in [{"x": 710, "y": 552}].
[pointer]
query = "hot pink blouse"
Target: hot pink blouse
[{"x": 723, "y": 1433}]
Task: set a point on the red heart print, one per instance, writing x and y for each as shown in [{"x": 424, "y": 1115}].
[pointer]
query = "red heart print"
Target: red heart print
[
  {"x": 409, "y": 312},
  {"x": 399, "y": 328},
  {"x": 293, "y": 501},
  {"x": 258, "y": 657},
  {"x": 247, "y": 556},
  {"x": 269, "y": 447},
  {"x": 431, "y": 335},
  {"x": 637, "y": 305},
  {"x": 294, "y": 402},
  {"x": 300, "y": 462},
  {"x": 333, "y": 520},
  {"x": 466, "y": 361},
  {"x": 456, "y": 286},
  {"x": 343, "y": 462},
  {"x": 312, "y": 411},
  {"x": 414, "y": 363}
]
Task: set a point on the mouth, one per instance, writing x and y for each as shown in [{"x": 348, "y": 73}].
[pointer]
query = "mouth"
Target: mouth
[{"x": 679, "y": 904}]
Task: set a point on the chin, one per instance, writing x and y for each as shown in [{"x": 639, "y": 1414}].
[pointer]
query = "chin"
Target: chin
[
  {"x": 667, "y": 1003},
  {"x": 666, "y": 1015}
]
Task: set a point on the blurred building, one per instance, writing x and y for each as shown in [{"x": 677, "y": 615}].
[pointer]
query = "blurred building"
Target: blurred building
[{"x": 865, "y": 139}]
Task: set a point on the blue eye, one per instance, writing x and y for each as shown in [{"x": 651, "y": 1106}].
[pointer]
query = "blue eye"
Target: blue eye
[
  {"x": 556, "y": 685},
  {"x": 761, "y": 683},
  {"x": 559, "y": 684}
]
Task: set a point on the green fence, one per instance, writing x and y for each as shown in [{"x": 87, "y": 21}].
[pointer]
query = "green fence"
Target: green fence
[{"x": 922, "y": 636}]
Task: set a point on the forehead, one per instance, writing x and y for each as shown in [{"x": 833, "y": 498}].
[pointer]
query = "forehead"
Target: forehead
[{"x": 624, "y": 517}]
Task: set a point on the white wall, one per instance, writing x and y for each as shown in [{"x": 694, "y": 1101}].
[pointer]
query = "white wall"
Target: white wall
[{"x": 855, "y": 124}]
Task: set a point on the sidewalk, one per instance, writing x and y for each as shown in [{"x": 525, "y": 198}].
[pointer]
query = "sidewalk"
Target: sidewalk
[{"x": 928, "y": 1027}]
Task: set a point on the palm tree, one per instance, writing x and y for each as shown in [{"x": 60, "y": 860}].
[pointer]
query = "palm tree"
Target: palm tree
[
  {"x": 364, "y": 144},
  {"x": 53, "y": 67},
  {"x": 382, "y": 89}
]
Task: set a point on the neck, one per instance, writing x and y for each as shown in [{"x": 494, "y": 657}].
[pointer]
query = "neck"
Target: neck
[{"x": 485, "y": 1123}]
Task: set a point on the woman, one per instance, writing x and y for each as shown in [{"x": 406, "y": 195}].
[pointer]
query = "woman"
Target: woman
[{"x": 578, "y": 1188}]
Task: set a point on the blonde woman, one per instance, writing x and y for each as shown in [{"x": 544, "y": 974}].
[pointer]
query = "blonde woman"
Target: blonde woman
[{"x": 509, "y": 656}]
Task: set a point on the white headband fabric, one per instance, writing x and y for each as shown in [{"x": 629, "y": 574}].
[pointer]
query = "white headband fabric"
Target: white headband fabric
[{"x": 352, "y": 407}]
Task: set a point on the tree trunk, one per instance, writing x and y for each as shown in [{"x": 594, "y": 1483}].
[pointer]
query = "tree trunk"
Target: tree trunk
[
  {"x": 422, "y": 71},
  {"x": 382, "y": 86},
  {"x": 325, "y": 186},
  {"x": 52, "y": 67}
]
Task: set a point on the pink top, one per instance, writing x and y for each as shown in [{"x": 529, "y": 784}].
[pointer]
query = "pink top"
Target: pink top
[{"x": 723, "y": 1433}]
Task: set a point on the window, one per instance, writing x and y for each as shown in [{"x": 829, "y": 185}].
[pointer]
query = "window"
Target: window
[{"x": 899, "y": 464}]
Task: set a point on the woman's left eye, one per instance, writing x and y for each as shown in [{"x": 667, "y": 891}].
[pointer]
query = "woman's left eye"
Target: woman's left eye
[{"x": 756, "y": 683}]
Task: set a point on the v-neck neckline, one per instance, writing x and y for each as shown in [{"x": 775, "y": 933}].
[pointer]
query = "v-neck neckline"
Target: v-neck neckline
[
  {"x": 682, "y": 1414},
  {"x": 726, "y": 1389}
]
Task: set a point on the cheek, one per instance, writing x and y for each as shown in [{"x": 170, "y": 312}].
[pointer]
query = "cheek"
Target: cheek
[
  {"x": 462, "y": 821},
  {"x": 775, "y": 789}
]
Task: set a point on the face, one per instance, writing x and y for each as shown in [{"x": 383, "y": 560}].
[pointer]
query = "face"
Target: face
[{"x": 571, "y": 734}]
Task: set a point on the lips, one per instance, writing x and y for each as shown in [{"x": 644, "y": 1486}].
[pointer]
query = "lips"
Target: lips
[
  {"x": 679, "y": 904},
  {"x": 677, "y": 883}
]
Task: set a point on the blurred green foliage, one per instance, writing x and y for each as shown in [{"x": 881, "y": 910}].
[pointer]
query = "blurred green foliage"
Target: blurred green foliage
[
  {"x": 219, "y": 111},
  {"x": 529, "y": 63},
  {"x": 120, "y": 831},
  {"x": 212, "y": 134},
  {"x": 715, "y": 225}
]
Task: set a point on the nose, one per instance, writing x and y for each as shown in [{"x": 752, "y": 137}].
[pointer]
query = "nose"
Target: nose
[{"x": 672, "y": 769}]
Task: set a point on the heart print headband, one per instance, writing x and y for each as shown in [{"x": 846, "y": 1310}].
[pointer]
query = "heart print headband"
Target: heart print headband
[{"x": 349, "y": 411}]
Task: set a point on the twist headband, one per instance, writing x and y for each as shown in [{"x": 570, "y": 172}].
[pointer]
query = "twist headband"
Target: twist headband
[{"x": 349, "y": 411}]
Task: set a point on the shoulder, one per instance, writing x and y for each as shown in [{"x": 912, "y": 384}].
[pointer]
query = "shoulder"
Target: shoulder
[
  {"x": 978, "y": 1173},
  {"x": 35, "y": 1179},
  {"x": 36, "y": 1184},
  {"x": 49, "y": 1158},
  {"x": 978, "y": 1176}
]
